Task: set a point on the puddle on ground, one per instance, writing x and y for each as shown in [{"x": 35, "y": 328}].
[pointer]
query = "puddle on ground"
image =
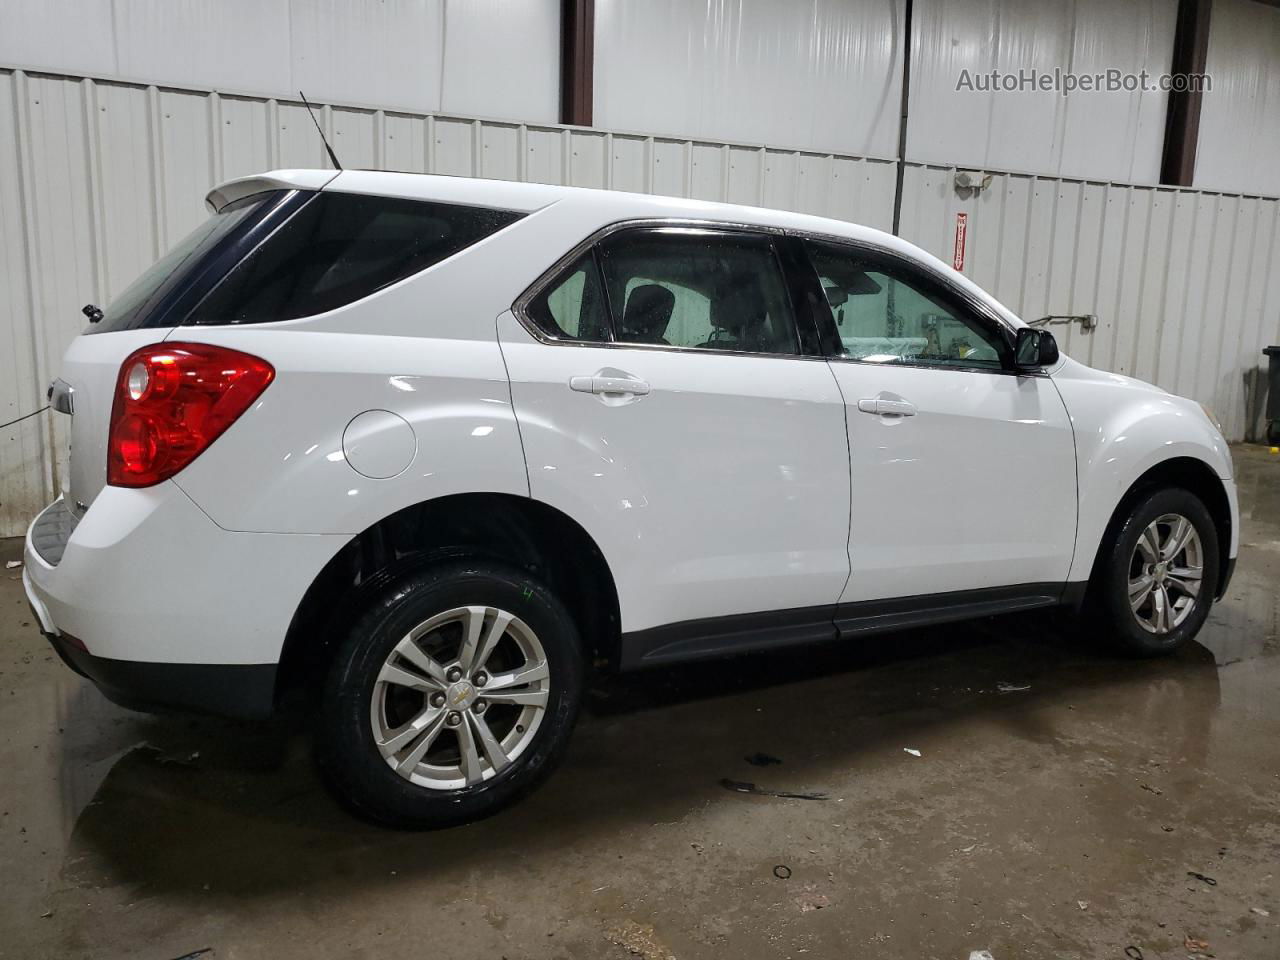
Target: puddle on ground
[{"x": 143, "y": 800}]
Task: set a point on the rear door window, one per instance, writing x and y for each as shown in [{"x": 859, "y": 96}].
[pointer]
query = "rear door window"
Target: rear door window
[
  {"x": 339, "y": 248},
  {"x": 695, "y": 288}
]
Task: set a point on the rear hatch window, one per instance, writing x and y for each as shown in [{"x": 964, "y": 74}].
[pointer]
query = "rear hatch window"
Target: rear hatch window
[
  {"x": 282, "y": 255},
  {"x": 339, "y": 248},
  {"x": 174, "y": 282}
]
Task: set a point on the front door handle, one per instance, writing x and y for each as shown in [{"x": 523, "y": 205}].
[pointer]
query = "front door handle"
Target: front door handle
[
  {"x": 888, "y": 408},
  {"x": 603, "y": 385}
]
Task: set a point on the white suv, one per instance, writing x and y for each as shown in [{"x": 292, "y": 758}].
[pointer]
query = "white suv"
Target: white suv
[{"x": 437, "y": 445}]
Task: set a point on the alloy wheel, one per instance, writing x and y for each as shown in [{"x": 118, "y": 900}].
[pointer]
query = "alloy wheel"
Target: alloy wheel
[
  {"x": 1165, "y": 573},
  {"x": 460, "y": 697}
]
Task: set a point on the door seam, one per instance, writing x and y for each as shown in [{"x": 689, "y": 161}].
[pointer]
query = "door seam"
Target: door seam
[
  {"x": 848, "y": 446},
  {"x": 511, "y": 398}
]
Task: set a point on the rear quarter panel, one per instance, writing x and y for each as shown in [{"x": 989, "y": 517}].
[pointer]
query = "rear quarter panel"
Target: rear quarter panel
[{"x": 281, "y": 467}]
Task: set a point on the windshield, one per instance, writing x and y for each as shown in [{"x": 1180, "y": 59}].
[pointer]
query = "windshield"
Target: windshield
[{"x": 133, "y": 307}]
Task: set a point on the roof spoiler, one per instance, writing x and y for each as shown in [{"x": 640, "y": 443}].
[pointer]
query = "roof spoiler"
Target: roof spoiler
[{"x": 233, "y": 190}]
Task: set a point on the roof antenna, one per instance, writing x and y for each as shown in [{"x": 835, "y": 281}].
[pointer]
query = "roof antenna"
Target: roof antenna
[{"x": 332, "y": 156}]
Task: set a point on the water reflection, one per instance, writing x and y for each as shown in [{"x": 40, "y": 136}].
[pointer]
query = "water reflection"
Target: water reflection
[{"x": 237, "y": 809}]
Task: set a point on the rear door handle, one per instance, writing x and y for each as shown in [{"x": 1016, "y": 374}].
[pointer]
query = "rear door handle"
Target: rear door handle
[
  {"x": 618, "y": 385},
  {"x": 888, "y": 408}
]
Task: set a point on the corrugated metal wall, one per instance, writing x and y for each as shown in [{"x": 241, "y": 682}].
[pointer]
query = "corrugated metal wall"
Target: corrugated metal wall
[
  {"x": 820, "y": 75},
  {"x": 98, "y": 178},
  {"x": 1185, "y": 283}
]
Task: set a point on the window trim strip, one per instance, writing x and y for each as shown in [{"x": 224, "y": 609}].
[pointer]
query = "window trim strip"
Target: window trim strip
[{"x": 519, "y": 307}]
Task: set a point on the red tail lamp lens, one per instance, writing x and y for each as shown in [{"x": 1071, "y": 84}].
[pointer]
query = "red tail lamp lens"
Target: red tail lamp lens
[{"x": 172, "y": 401}]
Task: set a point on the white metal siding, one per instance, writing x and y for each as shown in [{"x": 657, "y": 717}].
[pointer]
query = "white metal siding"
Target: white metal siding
[
  {"x": 824, "y": 73},
  {"x": 485, "y": 57},
  {"x": 98, "y": 178},
  {"x": 1104, "y": 135},
  {"x": 1239, "y": 145}
]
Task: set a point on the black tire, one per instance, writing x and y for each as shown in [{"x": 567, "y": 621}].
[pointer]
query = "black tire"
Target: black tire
[
  {"x": 1109, "y": 590},
  {"x": 348, "y": 756}
]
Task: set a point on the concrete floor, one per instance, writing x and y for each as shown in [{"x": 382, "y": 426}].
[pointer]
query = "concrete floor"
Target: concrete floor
[{"x": 1060, "y": 805}]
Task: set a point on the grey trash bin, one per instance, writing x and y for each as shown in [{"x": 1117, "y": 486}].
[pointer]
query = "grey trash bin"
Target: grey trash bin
[{"x": 1273, "y": 395}]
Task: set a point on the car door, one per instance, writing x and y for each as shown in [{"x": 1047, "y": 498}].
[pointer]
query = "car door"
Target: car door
[
  {"x": 665, "y": 404},
  {"x": 963, "y": 472}
]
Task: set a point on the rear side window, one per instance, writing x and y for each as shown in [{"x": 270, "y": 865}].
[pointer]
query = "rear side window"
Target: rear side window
[
  {"x": 339, "y": 248},
  {"x": 572, "y": 307}
]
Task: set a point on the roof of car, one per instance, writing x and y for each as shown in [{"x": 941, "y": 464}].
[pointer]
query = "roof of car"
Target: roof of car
[
  {"x": 604, "y": 206},
  {"x": 528, "y": 197}
]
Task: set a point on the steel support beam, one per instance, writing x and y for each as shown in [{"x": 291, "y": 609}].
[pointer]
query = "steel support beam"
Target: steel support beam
[
  {"x": 903, "y": 118},
  {"x": 577, "y": 60},
  {"x": 1182, "y": 122}
]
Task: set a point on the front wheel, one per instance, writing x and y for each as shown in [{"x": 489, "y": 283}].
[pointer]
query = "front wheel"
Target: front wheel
[
  {"x": 1155, "y": 582},
  {"x": 453, "y": 695}
]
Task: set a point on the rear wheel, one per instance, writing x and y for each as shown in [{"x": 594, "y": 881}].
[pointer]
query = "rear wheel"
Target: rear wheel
[
  {"x": 1154, "y": 585},
  {"x": 453, "y": 695}
]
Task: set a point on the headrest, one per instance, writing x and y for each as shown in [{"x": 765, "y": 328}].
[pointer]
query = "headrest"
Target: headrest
[
  {"x": 648, "y": 312},
  {"x": 738, "y": 308}
]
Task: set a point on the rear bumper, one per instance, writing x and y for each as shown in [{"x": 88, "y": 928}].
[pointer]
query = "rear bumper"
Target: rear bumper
[
  {"x": 235, "y": 690},
  {"x": 162, "y": 608}
]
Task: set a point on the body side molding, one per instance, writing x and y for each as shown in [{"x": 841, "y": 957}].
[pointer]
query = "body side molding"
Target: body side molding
[{"x": 719, "y": 636}]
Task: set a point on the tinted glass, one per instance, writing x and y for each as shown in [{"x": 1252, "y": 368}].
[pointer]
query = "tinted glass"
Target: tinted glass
[
  {"x": 132, "y": 308},
  {"x": 339, "y": 248},
  {"x": 572, "y": 307},
  {"x": 885, "y": 316},
  {"x": 716, "y": 291}
]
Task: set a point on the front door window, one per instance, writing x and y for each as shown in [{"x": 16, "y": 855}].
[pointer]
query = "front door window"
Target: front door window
[{"x": 884, "y": 316}]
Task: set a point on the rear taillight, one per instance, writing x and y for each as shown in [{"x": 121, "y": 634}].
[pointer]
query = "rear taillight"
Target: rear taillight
[{"x": 173, "y": 400}]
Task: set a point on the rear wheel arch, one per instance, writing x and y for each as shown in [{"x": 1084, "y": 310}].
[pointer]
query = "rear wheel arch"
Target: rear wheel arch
[
  {"x": 514, "y": 530},
  {"x": 1185, "y": 473}
]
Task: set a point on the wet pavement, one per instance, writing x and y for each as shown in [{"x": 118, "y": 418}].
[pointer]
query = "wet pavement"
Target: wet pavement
[{"x": 1063, "y": 804}]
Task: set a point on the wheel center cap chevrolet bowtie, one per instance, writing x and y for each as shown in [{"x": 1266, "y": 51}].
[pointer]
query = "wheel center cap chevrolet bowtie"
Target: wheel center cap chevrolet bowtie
[
  {"x": 1161, "y": 570},
  {"x": 460, "y": 695}
]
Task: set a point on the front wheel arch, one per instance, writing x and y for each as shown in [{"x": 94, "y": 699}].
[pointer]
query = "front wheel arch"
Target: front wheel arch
[{"x": 1184, "y": 473}]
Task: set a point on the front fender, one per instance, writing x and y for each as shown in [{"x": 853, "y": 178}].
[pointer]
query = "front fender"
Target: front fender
[{"x": 1123, "y": 429}]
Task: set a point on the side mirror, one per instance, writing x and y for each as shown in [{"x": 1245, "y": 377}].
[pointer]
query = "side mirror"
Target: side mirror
[{"x": 1034, "y": 349}]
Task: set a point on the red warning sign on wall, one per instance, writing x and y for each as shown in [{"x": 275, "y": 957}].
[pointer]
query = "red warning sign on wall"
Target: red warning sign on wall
[{"x": 962, "y": 229}]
